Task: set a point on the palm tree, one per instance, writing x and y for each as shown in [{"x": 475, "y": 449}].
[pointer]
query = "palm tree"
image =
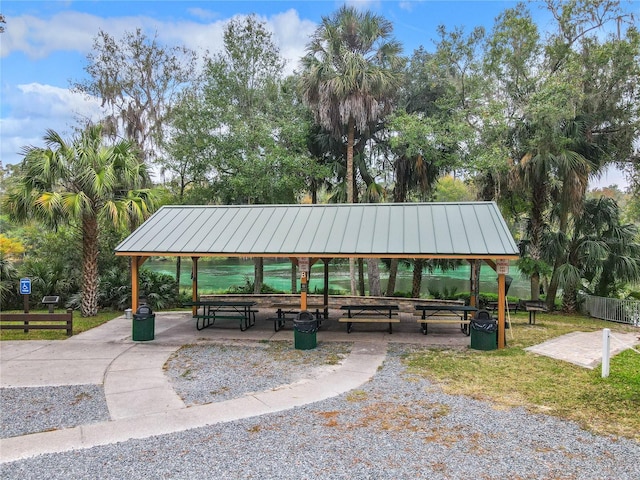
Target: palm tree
[
  {"x": 599, "y": 252},
  {"x": 82, "y": 183},
  {"x": 350, "y": 73}
]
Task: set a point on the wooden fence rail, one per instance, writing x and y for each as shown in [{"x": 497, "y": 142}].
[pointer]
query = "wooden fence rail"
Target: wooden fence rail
[{"x": 37, "y": 321}]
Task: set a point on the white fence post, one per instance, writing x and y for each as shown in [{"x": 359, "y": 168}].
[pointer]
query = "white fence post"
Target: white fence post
[{"x": 606, "y": 341}]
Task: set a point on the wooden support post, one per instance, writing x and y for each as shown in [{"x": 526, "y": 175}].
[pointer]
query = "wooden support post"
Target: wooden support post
[
  {"x": 501, "y": 309},
  {"x": 134, "y": 284},
  {"x": 136, "y": 263},
  {"x": 303, "y": 290}
]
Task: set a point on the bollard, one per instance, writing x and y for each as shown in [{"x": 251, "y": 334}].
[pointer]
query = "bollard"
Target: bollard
[
  {"x": 128, "y": 314},
  {"x": 606, "y": 342}
]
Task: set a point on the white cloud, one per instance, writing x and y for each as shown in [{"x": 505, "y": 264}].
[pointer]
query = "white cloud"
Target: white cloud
[
  {"x": 363, "y": 4},
  {"x": 38, "y": 38},
  {"x": 34, "y": 108},
  {"x": 29, "y": 109},
  {"x": 203, "y": 14},
  {"x": 291, "y": 34}
]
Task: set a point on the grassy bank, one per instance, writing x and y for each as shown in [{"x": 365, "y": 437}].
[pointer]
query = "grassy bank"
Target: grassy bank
[{"x": 513, "y": 377}]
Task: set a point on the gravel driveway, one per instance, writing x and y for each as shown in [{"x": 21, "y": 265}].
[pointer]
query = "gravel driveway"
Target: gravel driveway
[{"x": 396, "y": 426}]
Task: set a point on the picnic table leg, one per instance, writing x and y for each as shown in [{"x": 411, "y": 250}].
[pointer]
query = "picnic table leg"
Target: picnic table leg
[{"x": 349, "y": 324}]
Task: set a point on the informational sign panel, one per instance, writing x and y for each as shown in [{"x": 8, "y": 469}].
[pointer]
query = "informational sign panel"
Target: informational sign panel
[
  {"x": 502, "y": 267},
  {"x": 303, "y": 264},
  {"x": 25, "y": 286}
]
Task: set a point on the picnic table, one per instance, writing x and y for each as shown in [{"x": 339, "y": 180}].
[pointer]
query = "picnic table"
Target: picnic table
[
  {"x": 213, "y": 310},
  {"x": 290, "y": 310},
  {"x": 374, "y": 313},
  {"x": 445, "y": 313}
]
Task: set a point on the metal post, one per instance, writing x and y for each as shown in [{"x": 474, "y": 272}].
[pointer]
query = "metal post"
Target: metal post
[{"x": 606, "y": 342}]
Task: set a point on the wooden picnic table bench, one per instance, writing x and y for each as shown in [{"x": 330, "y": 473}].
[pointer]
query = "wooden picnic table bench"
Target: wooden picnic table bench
[
  {"x": 370, "y": 313},
  {"x": 290, "y": 310},
  {"x": 446, "y": 314},
  {"x": 512, "y": 306},
  {"x": 213, "y": 310}
]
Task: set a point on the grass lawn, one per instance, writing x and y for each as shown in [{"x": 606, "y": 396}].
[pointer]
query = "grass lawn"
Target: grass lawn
[
  {"x": 512, "y": 377},
  {"x": 80, "y": 324}
]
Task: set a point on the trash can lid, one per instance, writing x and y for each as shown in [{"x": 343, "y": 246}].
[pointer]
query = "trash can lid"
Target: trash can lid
[
  {"x": 305, "y": 316},
  {"x": 144, "y": 309}
]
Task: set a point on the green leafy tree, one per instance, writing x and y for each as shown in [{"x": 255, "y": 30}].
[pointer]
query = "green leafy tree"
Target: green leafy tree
[
  {"x": 249, "y": 134},
  {"x": 567, "y": 107},
  {"x": 137, "y": 79},
  {"x": 79, "y": 183}
]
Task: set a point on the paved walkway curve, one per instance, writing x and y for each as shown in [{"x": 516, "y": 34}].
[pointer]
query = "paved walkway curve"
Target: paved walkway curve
[{"x": 142, "y": 403}]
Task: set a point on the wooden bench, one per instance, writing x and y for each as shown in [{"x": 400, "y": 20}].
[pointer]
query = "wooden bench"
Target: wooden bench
[
  {"x": 370, "y": 313},
  {"x": 443, "y": 318},
  {"x": 43, "y": 321},
  {"x": 245, "y": 320},
  {"x": 358, "y": 319},
  {"x": 512, "y": 306}
]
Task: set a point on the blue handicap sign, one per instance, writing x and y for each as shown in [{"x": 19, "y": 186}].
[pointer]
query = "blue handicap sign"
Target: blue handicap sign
[{"x": 25, "y": 286}]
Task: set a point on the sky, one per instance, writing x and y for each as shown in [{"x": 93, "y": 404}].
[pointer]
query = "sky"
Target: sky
[{"x": 45, "y": 44}]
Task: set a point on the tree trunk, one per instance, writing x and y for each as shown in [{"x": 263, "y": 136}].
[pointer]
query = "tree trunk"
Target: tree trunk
[
  {"x": 569, "y": 299},
  {"x": 373, "y": 272},
  {"x": 351, "y": 133},
  {"x": 352, "y": 276},
  {"x": 416, "y": 285},
  {"x": 361, "y": 277},
  {"x": 474, "y": 290},
  {"x": 258, "y": 269},
  {"x": 350, "y": 199},
  {"x": 539, "y": 195},
  {"x": 393, "y": 273},
  {"x": 90, "y": 278},
  {"x": 294, "y": 278},
  {"x": 552, "y": 289},
  {"x": 178, "y": 267}
]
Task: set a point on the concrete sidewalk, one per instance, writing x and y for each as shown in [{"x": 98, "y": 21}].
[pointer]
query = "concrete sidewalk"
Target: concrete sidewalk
[
  {"x": 584, "y": 348},
  {"x": 142, "y": 403},
  {"x": 140, "y": 399}
]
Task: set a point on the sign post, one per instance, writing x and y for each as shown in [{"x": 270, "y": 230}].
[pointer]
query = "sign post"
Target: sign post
[
  {"x": 303, "y": 265},
  {"x": 25, "y": 291},
  {"x": 502, "y": 266}
]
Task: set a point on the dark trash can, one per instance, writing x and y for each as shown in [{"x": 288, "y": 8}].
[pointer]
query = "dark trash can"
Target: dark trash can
[
  {"x": 484, "y": 331},
  {"x": 144, "y": 324},
  {"x": 305, "y": 327}
]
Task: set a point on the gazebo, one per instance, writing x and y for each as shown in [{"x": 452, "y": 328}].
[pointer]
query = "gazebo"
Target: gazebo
[{"x": 461, "y": 230}]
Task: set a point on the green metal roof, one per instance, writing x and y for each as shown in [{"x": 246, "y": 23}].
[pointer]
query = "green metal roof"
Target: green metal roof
[{"x": 465, "y": 229}]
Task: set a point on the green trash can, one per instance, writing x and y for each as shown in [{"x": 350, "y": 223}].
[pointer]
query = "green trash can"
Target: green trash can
[
  {"x": 144, "y": 324},
  {"x": 305, "y": 327},
  {"x": 484, "y": 334}
]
